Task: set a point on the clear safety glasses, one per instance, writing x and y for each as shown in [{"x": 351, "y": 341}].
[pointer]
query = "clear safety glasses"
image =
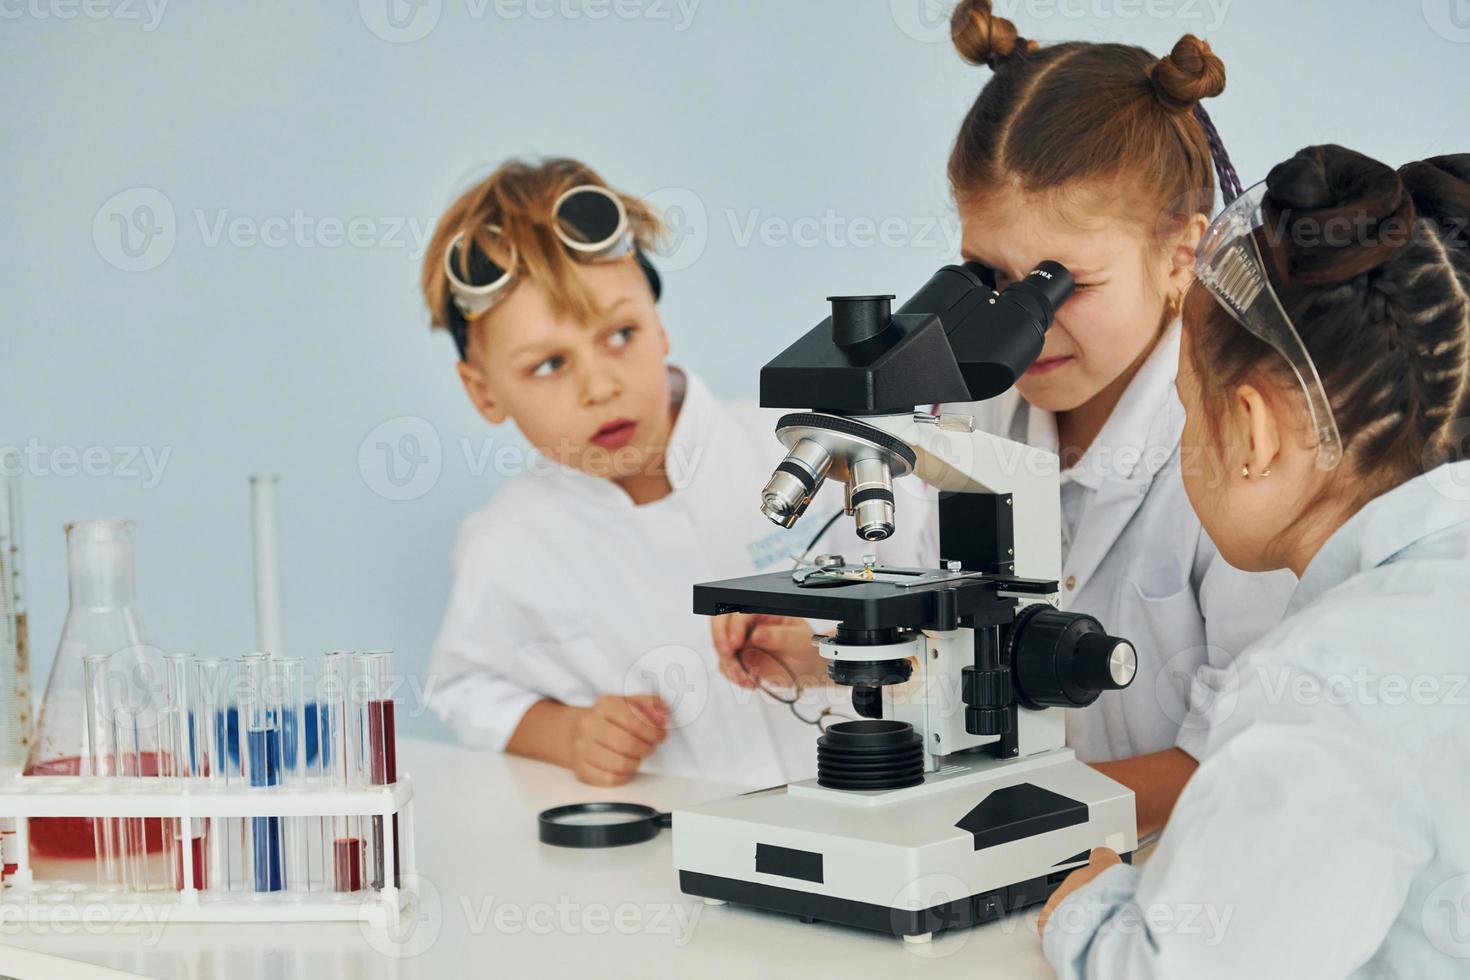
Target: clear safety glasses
[
  {"x": 1229, "y": 264},
  {"x": 590, "y": 221}
]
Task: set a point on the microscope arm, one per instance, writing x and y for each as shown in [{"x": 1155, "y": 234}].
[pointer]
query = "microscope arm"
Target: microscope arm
[{"x": 979, "y": 462}]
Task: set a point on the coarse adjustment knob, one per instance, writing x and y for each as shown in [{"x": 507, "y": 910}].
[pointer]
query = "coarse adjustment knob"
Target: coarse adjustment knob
[{"x": 1065, "y": 660}]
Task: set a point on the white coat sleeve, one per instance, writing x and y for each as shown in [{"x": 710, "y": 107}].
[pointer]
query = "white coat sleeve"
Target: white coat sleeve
[
  {"x": 1290, "y": 854},
  {"x": 472, "y": 688},
  {"x": 1238, "y": 609}
]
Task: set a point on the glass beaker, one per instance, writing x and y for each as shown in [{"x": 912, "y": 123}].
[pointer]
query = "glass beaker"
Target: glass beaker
[{"x": 100, "y": 619}]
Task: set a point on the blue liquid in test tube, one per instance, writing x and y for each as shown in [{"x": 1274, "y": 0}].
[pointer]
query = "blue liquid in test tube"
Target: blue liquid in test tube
[{"x": 263, "y": 744}]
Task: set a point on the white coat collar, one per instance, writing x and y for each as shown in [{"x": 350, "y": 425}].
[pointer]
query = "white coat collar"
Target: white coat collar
[
  {"x": 1386, "y": 526},
  {"x": 1137, "y": 441},
  {"x": 688, "y": 442}
]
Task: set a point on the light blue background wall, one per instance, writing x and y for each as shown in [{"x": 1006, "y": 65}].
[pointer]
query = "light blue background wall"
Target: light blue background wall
[{"x": 783, "y": 133}]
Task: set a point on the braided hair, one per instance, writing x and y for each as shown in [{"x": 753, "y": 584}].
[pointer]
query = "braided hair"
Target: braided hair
[{"x": 1373, "y": 267}]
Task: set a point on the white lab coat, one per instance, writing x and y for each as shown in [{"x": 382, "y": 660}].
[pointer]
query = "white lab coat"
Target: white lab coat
[
  {"x": 1326, "y": 832},
  {"x": 1138, "y": 560},
  {"x": 564, "y": 589}
]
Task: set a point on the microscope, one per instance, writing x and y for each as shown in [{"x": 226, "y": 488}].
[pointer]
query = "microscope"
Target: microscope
[{"x": 952, "y": 799}]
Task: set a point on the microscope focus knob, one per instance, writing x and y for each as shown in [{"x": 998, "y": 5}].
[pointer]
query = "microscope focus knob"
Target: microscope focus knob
[
  {"x": 1065, "y": 660},
  {"x": 988, "y": 695},
  {"x": 1106, "y": 663}
]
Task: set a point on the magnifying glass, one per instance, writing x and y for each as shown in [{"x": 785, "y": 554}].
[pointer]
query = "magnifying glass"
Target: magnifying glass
[{"x": 600, "y": 824}]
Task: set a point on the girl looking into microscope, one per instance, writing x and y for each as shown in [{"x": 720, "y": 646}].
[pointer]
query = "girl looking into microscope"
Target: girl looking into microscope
[
  {"x": 1097, "y": 156},
  {"x": 1327, "y": 818}
]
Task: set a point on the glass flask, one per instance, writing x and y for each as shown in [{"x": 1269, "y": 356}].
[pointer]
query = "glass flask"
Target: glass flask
[{"x": 100, "y": 621}]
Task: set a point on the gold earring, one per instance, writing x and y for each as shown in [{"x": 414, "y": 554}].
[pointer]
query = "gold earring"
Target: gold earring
[
  {"x": 1266, "y": 472},
  {"x": 1245, "y": 471}
]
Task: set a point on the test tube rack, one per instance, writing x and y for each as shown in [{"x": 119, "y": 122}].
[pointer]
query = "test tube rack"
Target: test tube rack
[{"x": 25, "y": 898}]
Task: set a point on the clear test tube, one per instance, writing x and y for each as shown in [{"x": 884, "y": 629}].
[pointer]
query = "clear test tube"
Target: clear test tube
[
  {"x": 212, "y": 722},
  {"x": 374, "y": 668},
  {"x": 266, "y": 540},
  {"x": 128, "y": 742},
  {"x": 343, "y": 760},
  {"x": 290, "y": 678},
  {"x": 180, "y": 760},
  {"x": 260, "y": 756},
  {"x": 147, "y": 710},
  {"x": 101, "y": 760},
  {"x": 326, "y": 715},
  {"x": 240, "y": 705}
]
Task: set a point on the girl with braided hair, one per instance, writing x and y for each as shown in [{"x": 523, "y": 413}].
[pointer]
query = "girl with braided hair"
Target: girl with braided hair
[{"x": 1326, "y": 367}]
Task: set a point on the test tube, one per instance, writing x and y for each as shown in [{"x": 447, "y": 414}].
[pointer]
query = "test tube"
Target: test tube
[
  {"x": 239, "y": 706},
  {"x": 127, "y": 742},
  {"x": 382, "y": 749},
  {"x": 181, "y": 762},
  {"x": 341, "y": 760},
  {"x": 213, "y": 724},
  {"x": 267, "y": 561},
  {"x": 100, "y": 760},
  {"x": 261, "y": 758},
  {"x": 139, "y": 711},
  {"x": 290, "y": 684}
]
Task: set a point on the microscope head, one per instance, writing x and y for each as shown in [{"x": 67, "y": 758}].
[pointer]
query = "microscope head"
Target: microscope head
[{"x": 956, "y": 340}]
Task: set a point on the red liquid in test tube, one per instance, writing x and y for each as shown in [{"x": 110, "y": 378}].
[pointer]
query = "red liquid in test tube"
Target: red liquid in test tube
[
  {"x": 347, "y": 863},
  {"x": 383, "y": 748},
  {"x": 201, "y": 856}
]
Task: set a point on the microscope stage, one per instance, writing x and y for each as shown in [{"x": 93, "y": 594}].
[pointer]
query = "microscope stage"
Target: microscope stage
[{"x": 909, "y": 598}]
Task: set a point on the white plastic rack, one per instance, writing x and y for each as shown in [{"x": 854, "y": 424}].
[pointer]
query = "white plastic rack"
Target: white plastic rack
[{"x": 26, "y": 898}]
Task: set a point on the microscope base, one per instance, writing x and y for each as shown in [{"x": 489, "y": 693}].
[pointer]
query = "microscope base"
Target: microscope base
[{"x": 974, "y": 842}]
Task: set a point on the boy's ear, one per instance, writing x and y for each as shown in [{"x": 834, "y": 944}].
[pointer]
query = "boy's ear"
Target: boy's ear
[{"x": 480, "y": 394}]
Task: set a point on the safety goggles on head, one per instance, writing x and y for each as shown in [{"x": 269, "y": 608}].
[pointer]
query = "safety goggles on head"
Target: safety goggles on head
[
  {"x": 1229, "y": 264},
  {"x": 591, "y": 223}
]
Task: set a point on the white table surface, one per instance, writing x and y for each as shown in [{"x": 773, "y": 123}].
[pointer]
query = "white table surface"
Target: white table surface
[{"x": 495, "y": 902}]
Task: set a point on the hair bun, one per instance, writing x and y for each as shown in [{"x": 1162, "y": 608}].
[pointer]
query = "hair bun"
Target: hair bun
[
  {"x": 983, "y": 38},
  {"x": 1187, "y": 74},
  {"x": 1332, "y": 214},
  {"x": 1440, "y": 187}
]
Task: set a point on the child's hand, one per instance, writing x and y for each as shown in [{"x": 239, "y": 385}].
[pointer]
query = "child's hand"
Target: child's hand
[
  {"x": 1100, "y": 860},
  {"x": 611, "y": 738},
  {"x": 765, "y": 643}
]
